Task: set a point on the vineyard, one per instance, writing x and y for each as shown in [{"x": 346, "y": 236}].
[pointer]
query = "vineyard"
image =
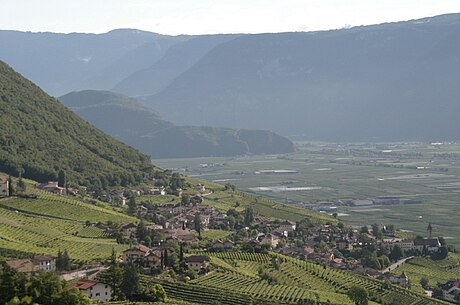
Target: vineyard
[
  {"x": 25, "y": 227},
  {"x": 436, "y": 271},
  {"x": 235, "y": 280},
  {"x": 225, "y": 200},
  {"x": 63, "y": 207}
]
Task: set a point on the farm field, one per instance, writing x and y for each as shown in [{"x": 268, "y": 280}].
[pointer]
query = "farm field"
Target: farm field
[
  {"x": 425, "y": 173},
  {"x": 436, "y": 271},
  {"x": 51, "y": 223},
  {"x": 236, "y": 280}
]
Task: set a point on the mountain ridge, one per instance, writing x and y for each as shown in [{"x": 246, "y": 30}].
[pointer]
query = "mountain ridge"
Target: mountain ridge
[{"x": 144, "y": 129}]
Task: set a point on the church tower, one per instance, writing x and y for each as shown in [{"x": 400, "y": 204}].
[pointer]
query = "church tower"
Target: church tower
[{"x": 429, "y": 230}]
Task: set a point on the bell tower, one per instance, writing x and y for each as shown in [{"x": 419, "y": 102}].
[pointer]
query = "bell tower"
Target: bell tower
[{"x": 429, "y": 230}]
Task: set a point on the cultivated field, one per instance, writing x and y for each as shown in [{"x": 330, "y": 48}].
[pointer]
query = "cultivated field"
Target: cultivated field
[{"x": 425, "y": 173}]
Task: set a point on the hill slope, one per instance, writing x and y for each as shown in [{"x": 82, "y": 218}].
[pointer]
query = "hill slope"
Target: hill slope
[
  {"x": 39, "y": 136},
  {"x": 177, "y": 59},
  {"x": 127, "y": 120},
  {"x": 394, "y": 81}
]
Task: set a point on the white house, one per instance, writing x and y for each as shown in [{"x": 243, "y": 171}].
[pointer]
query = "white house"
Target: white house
[
  {"x": 45, "y": 262},
  {"x": 96, "y": 291}
]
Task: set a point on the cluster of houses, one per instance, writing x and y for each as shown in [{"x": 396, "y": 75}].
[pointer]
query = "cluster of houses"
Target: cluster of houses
[
  {"x": 150, "y": 259},
  {"x": 95, "y": 290}
]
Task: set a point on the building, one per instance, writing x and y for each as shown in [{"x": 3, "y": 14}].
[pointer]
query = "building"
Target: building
[
  {"x": 287, "y": 226},
  {"x": 200, "y": 187},
  {"x": 197, "y": 263},
  {"x": 129, "y": 229},
  {"x": 4, "y": 186},
  {"x": 143, "y": 256},
  {"x": 52, "y": 187},
  {"x": 223, "y": 245},
  {"x": 96, "y": 291},
  {"x": 45, "y": 262}
]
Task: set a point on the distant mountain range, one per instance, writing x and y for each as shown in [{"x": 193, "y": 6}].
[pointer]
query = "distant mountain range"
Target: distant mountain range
[
  {"x": 39, "y": 137},
  {"x": 388, "y": 82},
  {"x": 127, "y": 120}
]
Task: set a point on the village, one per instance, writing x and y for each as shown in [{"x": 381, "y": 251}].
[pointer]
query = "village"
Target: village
[{"x": 168, "y": 236}]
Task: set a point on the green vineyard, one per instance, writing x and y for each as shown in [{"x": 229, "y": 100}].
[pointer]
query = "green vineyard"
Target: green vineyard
[
  {"x": 235, "y": 280},
  {"x": 35, "y": 226}
]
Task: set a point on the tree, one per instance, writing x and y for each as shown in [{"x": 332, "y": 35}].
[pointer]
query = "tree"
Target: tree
[
  {"x": 141, "y": 232},
  {"x": 358, "y": 295},
  {"x": 73, "y": 297},
  {"x": 396, "y": 253},
  {"x": 157, "y": 293},
  {"x": 22, "y": 185},
  {"x": 248, "y": 216},
  {"x": 197, "y": 223},
  {"x": 132, "y": 207},
  {"x": 66, "y": 261},
  {"x": 62, "y": 179},
  {"x": 424, "y": 281},
  {"x": 8, "y": 284},
  {"x": 115, "y": 276},
  {"x": 185, "y": 200},
  {"x": 130, "y": 284}
]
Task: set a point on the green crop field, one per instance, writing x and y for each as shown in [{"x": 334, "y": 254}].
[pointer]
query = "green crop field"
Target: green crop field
[
  {"x": 51, "y": 223},
  {"x": 235, "y": 280},
  {"x": 428, "y": 174},
  {"x": 436, "y": 271}
]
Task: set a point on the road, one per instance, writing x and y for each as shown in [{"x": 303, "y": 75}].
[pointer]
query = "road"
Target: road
[{"x": 397, "y": 264}]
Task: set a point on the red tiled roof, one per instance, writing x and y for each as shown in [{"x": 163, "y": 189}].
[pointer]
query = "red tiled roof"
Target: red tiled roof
[{"x": 83, "y": 284}]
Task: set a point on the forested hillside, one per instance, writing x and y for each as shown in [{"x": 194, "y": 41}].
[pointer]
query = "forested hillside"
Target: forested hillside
[{"x": 39, "y": 137}]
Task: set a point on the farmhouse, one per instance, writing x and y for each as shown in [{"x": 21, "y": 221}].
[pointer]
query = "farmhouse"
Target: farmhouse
[
  {"x": 4, "y": 186},
  {"x": 46, "y": 263},
  {"x": 96, "y": 291},
  {"x": 223, "y": 245},
  {"x": 52, "y": 187},
  {"x": 143, "y": 256},
  {"x": 129, "y": 229},
  {"x": 197, "y": 263}
]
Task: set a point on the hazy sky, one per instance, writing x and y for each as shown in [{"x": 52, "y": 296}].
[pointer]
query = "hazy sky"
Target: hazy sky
[{"x": 210, "y": 16}]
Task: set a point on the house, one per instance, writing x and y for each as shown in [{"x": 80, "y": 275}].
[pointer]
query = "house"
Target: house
[
  {"x": 4, "y": 186},
  {"x": 223, "y": 245},
  {"x": 143, "y": 256},
  {"x": 197, "y": 263},
  {"x": 129, "y": 229},
  {"x": 96, "y": 291},
  {"x": 401, "y": 280},
  {"x": 45, "y": 262},
  {"x": 287, "y": 226},
  {"x": 270, "y": 239},
  {"x": 154, "y": 227},
  {"x": 344, "y": 244},
  {"x": 52, "y": 187},
  {"x": 200, "y": 187},
  {"x": 451, "y": 290}
]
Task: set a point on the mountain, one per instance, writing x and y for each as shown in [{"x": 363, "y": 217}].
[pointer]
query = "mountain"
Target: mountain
[
  {"x": 396, "y": 81},
  {"x": 141, "y": 127},
  {"x": 177, "y": 59},
  {"x": 60, "y": 63},
  {"x": 39, "y": 137}
]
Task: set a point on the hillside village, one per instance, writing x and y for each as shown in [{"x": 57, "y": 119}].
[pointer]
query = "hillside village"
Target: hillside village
[{"x": 172, "y": 236}]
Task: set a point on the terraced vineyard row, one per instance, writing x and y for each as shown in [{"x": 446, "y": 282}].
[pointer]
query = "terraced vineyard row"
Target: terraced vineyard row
[
  {"x": 64, "y": 207},
  {"x": 296, "y": 280},
  {"x": 38, "y": 234},
  {"x": 437, "y": 271}
]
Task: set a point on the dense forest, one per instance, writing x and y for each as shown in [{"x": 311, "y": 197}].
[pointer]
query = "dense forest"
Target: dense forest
[{"x": 40, "y": 137}]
